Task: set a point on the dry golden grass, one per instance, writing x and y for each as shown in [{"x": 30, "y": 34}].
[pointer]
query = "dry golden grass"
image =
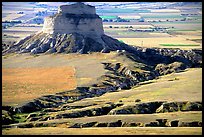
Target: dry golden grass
[
  {"x": 188, "y": 87},
  {"x": 23, "y": 84},
  {"x": 105, "y": 131}
]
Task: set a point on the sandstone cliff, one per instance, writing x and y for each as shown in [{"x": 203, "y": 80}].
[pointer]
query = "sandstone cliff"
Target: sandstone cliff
[{"x": 79, "y": 18}]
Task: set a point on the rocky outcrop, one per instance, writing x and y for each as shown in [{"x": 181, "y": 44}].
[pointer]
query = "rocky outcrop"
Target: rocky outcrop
[
  {"x": 174, "y": 123},
  {"x": 70, "y": 112},
  {"x": 114, "y": 109},
  {"x": 157, "y": 107},
  {"x": 179, "y": 106},
  {"x": 74, "y": 18},
  {"x": 7, "y": 118},
  {"x": 132, "y": 124},
  {"x": 75, "y": 28},
  {"x": 96, "y": 111},
  {"x": 154, "y": 56},
  {"x": 118, "y": 123},
  {"x": 142, "y": 108},
  {"x": 190, "y": 124},
  {"x": 163, "y": 69},
  {"x": 65, "y": 43},
  {"x": 82, "y": 125}
]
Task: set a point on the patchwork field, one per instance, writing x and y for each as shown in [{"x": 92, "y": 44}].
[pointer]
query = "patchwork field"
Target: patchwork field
[
  {"x": 156, "y": 42},
  {"x": 12, "y": 17}
]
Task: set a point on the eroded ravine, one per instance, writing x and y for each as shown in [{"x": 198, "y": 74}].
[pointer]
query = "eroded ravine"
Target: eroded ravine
[{"x": 118, "y": 77}]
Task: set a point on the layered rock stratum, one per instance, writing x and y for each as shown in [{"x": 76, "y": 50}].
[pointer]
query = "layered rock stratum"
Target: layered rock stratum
[{"x": 74, "y": 28}]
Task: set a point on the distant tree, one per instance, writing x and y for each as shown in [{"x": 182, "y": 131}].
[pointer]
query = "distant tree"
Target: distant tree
[
  {"x": 137, "y": 100},
  {"x": 141, "y": 20},
  {"x": 105, "y": 20}
]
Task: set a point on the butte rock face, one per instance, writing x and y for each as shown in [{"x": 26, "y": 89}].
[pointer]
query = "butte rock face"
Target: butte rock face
[
  {"x": 77, "y": 28},
  {"x": 74, "y": 28}
]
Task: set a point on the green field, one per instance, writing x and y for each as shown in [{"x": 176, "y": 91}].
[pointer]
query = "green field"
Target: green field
[
  {"x": 108, "y": 17},
  {"x": 116, "y": 10}
]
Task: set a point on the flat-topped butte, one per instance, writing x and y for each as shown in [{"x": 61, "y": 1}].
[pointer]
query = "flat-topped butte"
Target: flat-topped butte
[
  {"x": 75, "y": 18},
  {"x": 78, "y": 8}
]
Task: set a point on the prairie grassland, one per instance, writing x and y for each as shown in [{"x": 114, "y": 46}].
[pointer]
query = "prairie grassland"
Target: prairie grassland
[
  {"x": 106, "y": 131},
  {"x": 26, "y": 77},
  {"x": 188, "y": 87},
  {"x": 23, "y": 84}
]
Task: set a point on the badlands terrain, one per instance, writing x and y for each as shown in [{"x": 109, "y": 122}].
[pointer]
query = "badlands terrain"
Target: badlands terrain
[{"x": 145, "y": 79}]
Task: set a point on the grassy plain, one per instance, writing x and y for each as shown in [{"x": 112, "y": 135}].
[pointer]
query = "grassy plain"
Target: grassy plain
[
  {"x": 188, "y": 87},
  {"x": 22, "y": 84},
  {"x": 24, "y": 70},
  {"x": 105, "y": 131},
  {"x": 33, "y": 76}
]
